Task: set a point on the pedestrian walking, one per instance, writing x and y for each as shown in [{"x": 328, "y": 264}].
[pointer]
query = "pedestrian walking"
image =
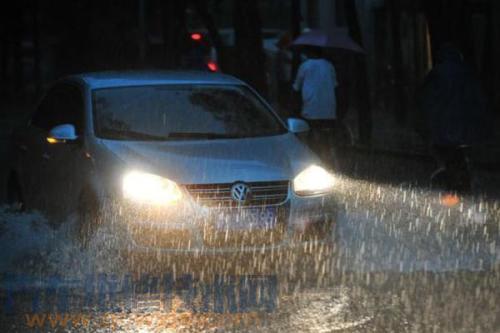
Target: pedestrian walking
[{"x": 316, "y": 81}]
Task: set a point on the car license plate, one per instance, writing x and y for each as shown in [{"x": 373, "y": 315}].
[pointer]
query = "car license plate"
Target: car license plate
[{"x": 248, "y": 218}]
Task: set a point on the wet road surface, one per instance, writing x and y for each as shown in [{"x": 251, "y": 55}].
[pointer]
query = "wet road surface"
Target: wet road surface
[{"x": 401, "y": 262}]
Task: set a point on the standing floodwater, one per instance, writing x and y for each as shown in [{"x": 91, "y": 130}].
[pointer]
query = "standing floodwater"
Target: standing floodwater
[{"x": 401, "y": 261}]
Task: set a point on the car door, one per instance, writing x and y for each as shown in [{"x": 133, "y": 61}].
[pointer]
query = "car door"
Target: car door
[{"x": 62, "y": 171}]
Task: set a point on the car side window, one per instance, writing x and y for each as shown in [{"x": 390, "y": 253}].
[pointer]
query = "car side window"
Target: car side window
[
  {"x": 70, "y": 108},
  {"x": 62, "y": 105},
  {"x": 41, "y": 118}
]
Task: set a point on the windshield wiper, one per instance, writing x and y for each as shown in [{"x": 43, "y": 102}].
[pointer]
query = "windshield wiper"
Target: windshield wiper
[
  {"x": 201, "y": 135},
  {"x": 132, "y": 135}
]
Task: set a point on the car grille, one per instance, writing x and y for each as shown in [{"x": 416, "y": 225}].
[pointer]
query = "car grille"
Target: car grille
[{"x": 219, "y": 195}]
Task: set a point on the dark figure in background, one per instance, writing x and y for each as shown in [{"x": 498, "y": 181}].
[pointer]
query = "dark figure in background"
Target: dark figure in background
[
  {"x": 455, "y": 117},
  {"x": 316, "y": 81}
]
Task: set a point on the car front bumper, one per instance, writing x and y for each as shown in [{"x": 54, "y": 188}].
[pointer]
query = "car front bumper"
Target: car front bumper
[{"x": 188, "y": 227}]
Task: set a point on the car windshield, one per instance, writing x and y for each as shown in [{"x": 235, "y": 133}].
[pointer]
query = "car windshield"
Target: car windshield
[{"x": 181, "y": 112}]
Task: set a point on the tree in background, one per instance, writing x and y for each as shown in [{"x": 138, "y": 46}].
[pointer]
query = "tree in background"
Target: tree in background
[
  {"x": 399, "y": 105},
  {"x": 13, "y": 29},
  {"x": 174, "y": 31},
  {"x": 474, "y": 27},
  {"x": 362, "y": 87},
  {"x": 495, "y": 54},
  {"x": 248, "y": 52},
  {"x": 78, "y": 36}
]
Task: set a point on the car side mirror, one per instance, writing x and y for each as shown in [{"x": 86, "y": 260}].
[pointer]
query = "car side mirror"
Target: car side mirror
[
  {"x": 62, "y": 134},
  {"x": 296, "y": 125}
]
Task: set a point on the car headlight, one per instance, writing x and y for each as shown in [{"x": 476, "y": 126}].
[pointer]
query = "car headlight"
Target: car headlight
[
  {"x": 313, "y": 180},
  {"x": 147, "y": 188}
]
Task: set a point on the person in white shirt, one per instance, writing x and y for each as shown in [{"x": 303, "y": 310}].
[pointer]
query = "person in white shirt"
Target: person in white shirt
[{"x": 316, "y": 80}]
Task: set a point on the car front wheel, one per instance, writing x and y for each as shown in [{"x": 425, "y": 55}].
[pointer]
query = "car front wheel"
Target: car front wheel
[{"x": 88, "y": 218}]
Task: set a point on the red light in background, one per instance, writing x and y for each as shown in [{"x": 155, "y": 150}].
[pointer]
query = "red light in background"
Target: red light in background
[
  {"x": 212, "y": 66},
  {"x": 196, "y": 36}
]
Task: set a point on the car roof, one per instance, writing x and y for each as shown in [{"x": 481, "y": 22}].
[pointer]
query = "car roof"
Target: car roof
[{"x": 97, "y": 80}]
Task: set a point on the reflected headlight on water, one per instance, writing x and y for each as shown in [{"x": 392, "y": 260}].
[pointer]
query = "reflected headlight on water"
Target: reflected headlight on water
[
  {"x": 147, "y": 188},
  {"x": 450, "y": 200},
  {"x": 313, "y": 180}
]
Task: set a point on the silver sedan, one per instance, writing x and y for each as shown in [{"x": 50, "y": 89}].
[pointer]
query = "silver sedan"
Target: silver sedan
[{"x": 184, "y": 161}]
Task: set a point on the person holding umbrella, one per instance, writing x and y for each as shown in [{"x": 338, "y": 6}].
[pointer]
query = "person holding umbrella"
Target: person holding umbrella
[{"x": 316, "y": 81}]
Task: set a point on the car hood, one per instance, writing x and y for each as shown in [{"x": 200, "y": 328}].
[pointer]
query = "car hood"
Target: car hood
[{"x": 279, "y": 157}]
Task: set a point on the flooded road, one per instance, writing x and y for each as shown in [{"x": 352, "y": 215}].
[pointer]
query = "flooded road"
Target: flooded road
[{"x": 401, "y": 262}]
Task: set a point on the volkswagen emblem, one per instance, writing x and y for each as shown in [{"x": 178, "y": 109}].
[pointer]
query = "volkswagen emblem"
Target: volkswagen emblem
[{"x": 240, "y": 192}]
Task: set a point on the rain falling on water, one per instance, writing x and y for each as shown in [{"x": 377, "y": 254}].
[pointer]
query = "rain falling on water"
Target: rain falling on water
[{"x": 400, "y": 261}]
